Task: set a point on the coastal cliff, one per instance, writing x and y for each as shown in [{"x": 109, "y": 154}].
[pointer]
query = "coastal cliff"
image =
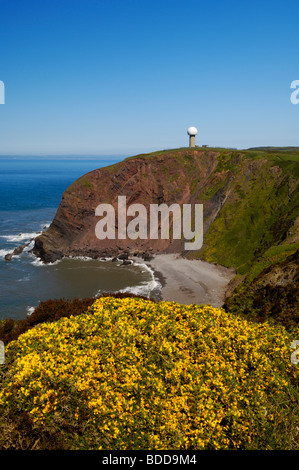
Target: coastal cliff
[
  {"x": 250, "y": 202},
  {"x": 167, "y": 177}
]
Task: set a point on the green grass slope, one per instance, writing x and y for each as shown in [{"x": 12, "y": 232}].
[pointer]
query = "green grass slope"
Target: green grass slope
[{"x": 260, "y": 208}]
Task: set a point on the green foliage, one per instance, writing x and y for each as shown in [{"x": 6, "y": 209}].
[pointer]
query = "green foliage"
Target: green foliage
[
  {"x": 225, "y": 162},
  {"x": 274, "y": 254},
  {"x": 86, "y": 183},
  {"x": 262, "y": 302},
  {"x": 250, "y": 224}
]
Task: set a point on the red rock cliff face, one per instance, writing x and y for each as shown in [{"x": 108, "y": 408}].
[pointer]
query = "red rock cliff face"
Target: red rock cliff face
[
  {"x": 249, "y": 203},
  {"x": 167, "y": 178}
]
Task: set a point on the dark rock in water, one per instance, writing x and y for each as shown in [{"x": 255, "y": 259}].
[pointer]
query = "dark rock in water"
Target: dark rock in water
[
  {"x": 126, "y": 261},
  {"x": 19, "y": 249},
  {"x": 114, "y": 259},
  {"x": 123, "y": 256},
  {"x": 147, "y": 257},
  {"x": 15, "y": 252}
]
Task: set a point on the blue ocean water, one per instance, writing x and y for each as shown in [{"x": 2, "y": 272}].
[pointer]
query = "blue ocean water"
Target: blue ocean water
[{"x": 31, "y": 190}]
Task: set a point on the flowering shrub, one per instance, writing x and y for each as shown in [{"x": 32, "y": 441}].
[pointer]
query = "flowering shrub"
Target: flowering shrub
[
  {"x": 133, "y": 374},
  {"x": 49, "y": 310}
]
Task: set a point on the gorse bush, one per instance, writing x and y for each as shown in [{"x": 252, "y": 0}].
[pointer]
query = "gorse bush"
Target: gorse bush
[
  {"x": 47, "y": 311},
  {"x": 134, "y": 374}
]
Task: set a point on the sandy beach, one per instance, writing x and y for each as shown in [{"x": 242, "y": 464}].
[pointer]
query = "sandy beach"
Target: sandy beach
[{"x": 191, "y": 281}]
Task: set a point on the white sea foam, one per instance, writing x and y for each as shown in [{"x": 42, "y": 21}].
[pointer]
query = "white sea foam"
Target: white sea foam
[
  {"x": 4, "y": 252},
  {"x": 38, "y": 262},
  {"x": 30, "y": 246},
  {"x": 88, "y": 258},
  {"x": 20, "y": 237},
  {"x": 25, "y": 236},
  {"x": 30, "y": 310},
  {"x": 145, "y": 288}
]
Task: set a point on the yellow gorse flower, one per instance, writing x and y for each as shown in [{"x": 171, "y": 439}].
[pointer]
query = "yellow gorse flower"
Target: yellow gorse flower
[{"x": 144, "y": 375}]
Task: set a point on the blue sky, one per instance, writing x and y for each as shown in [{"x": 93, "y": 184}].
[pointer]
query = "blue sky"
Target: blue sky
[{"x": 92, "y": 77}]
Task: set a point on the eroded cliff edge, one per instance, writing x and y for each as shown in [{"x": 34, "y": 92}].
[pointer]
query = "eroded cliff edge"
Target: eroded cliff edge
[
  {"x": 250, "y": 202},
  {"x": 170, "y": 177}
]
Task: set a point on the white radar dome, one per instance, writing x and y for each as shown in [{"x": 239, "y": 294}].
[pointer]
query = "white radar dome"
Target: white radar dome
[{"x": 192, "y": 131}]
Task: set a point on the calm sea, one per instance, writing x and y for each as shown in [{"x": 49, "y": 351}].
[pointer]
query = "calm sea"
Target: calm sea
[{"x": 31, "y": 190}]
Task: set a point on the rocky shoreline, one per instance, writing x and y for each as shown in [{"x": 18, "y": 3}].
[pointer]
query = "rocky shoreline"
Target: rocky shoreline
[
  {"x": 181, "y": 280},
  {"x": 17, "y": 251}
]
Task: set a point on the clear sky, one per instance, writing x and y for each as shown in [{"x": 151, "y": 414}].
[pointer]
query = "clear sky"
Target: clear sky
[{"x": 107, "y": 77}]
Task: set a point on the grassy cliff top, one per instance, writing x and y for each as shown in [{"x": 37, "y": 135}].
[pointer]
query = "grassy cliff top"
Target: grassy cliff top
[{"x": 285, "y": 157}]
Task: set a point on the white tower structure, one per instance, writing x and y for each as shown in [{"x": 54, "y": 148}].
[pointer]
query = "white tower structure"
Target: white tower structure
[{"x": 192, "y": 131}]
